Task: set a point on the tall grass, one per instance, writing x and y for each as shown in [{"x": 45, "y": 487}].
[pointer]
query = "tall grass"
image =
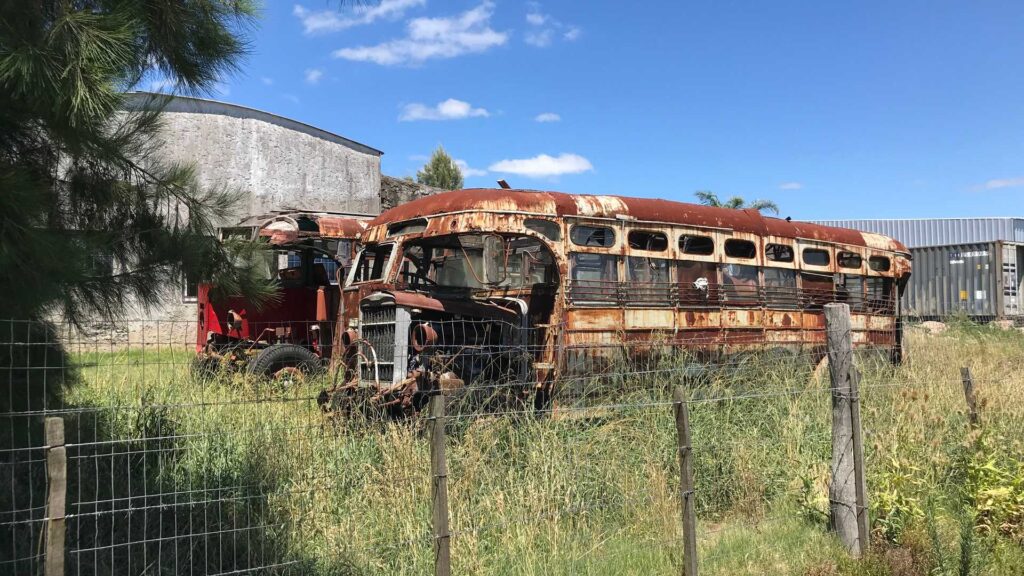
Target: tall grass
[{"x": 581, "y": 491}]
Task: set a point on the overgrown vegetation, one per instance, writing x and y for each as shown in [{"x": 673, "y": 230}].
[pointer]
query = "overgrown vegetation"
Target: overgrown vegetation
[{"x": 585, "y": 491}]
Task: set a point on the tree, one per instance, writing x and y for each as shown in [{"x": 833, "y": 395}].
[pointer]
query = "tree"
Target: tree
[
  {"x": 440, "y": 171},
  {"x": 708, "y": 198},
  {"x": 91, "y": 218}
]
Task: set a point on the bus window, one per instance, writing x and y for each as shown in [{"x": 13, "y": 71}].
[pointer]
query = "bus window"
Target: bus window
[
  {"x": 697, "y": 245},
  {"x": 595, "y": 277},
  {"x": 740, "y": 284},
  {"x": 698, "y": 282},
  {"x": 780, "y": 287},
  {"x": 649, "y": 280},
  {"x": 779, "y": 252},
  {"x": 545, "y": 228},
  {"x": 740, "y": 248},
  {"x": 816, "y": 289},
  {"x": 879, "y": 263},
  {"x": 371, "y": 263},
  {"x": 816, "y": 257},
  {"x": 850, "y": 289},
  {"x": 849, "y": 260},
  {"x": 599, "y": 236},
  {"x": 880, "y": 299},
  {"x": 646, "y": 240}
]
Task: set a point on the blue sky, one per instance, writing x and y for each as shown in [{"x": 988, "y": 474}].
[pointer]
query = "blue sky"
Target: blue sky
[{"x": 832, "y": 109}]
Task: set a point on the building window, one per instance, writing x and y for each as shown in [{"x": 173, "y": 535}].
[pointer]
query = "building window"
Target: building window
[{"x": 189, "y": 288}]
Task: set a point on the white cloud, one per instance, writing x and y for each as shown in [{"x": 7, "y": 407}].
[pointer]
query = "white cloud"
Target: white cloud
[
  {"x": 543, "y": 28},
  {"x": 267, "y": 81},
  {"x": 547, "y": 117},
  {"x": 313, "y": 75},
  {"x": 450, "y": 109},
  {"x": 539, "y": 38},
  {"x": 427, "y": 38},
  {"x": 468, "y": 172},
  {"x": 999, "y": 183},
  {"x": 322, "y": 21},
  {"x": 542, "y": 166},
  {"x": 790, "y": 186}
]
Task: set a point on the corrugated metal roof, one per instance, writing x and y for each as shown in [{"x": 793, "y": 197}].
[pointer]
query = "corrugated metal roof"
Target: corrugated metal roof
[{"x": 939, "y": 231}]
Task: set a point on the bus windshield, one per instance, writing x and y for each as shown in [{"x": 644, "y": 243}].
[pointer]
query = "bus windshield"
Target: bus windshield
[{"x": 475, "y": 261}]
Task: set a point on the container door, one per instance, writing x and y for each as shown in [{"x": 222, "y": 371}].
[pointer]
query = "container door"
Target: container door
[{"x": 1011, "y": 281}]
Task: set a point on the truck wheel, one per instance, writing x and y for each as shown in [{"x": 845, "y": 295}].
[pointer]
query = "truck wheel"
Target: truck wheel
[{"x": 286, "y": 362}]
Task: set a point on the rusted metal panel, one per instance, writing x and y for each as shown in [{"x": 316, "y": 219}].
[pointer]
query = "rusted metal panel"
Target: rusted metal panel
[
  {"x": 559, "y": 204},
  {"x": 341, "y": 227}
]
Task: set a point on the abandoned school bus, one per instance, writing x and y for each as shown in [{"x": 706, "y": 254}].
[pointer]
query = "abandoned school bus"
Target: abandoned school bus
[{"x": 473, "y": 287}]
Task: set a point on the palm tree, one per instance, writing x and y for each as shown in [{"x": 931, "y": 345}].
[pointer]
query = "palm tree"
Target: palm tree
[{"x": 709, "y": 198}]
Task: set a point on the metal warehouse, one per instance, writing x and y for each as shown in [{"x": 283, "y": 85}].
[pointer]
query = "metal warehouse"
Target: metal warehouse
[
  {"x": 961, "y": 265},
  {"x": 917, "y": 232}
]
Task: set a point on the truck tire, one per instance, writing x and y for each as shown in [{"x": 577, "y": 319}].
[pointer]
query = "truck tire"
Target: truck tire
[{"x": 279, "y": 357}]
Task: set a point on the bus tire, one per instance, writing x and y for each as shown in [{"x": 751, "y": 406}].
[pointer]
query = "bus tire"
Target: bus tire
[{"x": 280, "y": 357}]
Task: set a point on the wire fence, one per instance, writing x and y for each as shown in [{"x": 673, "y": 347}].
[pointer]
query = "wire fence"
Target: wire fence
[{"x": 174, "y": 468}]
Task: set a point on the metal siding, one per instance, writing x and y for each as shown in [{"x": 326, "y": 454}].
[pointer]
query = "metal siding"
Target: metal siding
[
  {"x": 939, "y": 231},
  {"x": 942, "y": 272}
]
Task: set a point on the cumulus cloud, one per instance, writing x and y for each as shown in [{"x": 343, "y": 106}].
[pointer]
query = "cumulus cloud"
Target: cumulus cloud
[
  {"x": 467, "y": 171},
  {"x": 428, "y": 38},
  {"x": 542, "y": 166},
  {"x": 313, "y": 75},
  {"x": 547, "y": 117},
  {"x": 543, "y": 28},
  {"x": 323, "y": 21},
  {"x": 450, "y": 109},
  {"x": 790, "y": 186},
  {"x": 1000, "y": 183}
]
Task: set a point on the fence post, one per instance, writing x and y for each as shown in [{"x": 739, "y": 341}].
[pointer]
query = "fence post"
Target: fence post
[
  {"x": 57, "y": 474},
  {"x": 972, "y": 401},
  {"x": 847, "y": 489},
  {"x": 686, "y": 493},
  {"x": 439, "y": 492}
]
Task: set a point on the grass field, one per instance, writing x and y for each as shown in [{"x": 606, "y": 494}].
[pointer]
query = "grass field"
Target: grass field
[{"x": 226, "y": 474}]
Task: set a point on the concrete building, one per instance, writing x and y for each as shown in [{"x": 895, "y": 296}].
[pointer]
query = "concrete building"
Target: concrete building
[{"x": 276, "y": 163}]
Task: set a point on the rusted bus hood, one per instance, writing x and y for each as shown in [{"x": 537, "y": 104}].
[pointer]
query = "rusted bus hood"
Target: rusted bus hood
[
  {"x": 455, "y": 305},
  {"x": 341, "y": 227},
  {"x": 558, "y": 204}
]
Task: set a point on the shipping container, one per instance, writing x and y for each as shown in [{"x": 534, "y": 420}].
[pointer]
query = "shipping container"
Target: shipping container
[
  {"x": 980, "y": 279},
  {"x": 915, "y": 232}
]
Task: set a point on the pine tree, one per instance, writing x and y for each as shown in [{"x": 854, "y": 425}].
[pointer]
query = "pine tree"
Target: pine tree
[
  {"x": 440, "y": 171},
  {"x": 91, "y": 217}
]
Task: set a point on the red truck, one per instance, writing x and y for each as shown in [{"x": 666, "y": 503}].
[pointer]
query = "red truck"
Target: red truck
[{"x": 294, "y": 335}]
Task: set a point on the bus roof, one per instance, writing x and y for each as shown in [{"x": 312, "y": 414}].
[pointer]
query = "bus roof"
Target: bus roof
[{"x": 642, "y": 209}]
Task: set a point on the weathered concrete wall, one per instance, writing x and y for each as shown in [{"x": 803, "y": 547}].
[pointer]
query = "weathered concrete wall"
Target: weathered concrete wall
[
  {"x": 276, "y": 162},
  {"x": 395, "y": 191}
]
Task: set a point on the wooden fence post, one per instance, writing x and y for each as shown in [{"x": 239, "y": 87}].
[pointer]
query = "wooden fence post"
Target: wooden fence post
[
  {"x": 57, "y": 475},
  {"x": 686, "y": 493},
  {"x": 848, "y": 488},
  {"x": 972, "y": 401},
  {"x": 439, "y": 492}
]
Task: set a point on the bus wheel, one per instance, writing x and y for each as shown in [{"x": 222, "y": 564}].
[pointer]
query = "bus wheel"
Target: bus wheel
[{"x": 284, "y": 363}]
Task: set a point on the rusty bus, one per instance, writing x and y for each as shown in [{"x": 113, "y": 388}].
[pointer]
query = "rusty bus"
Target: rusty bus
[
  {"x": 468, "y": 287},
  {"x": 310, "y": 253}
]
